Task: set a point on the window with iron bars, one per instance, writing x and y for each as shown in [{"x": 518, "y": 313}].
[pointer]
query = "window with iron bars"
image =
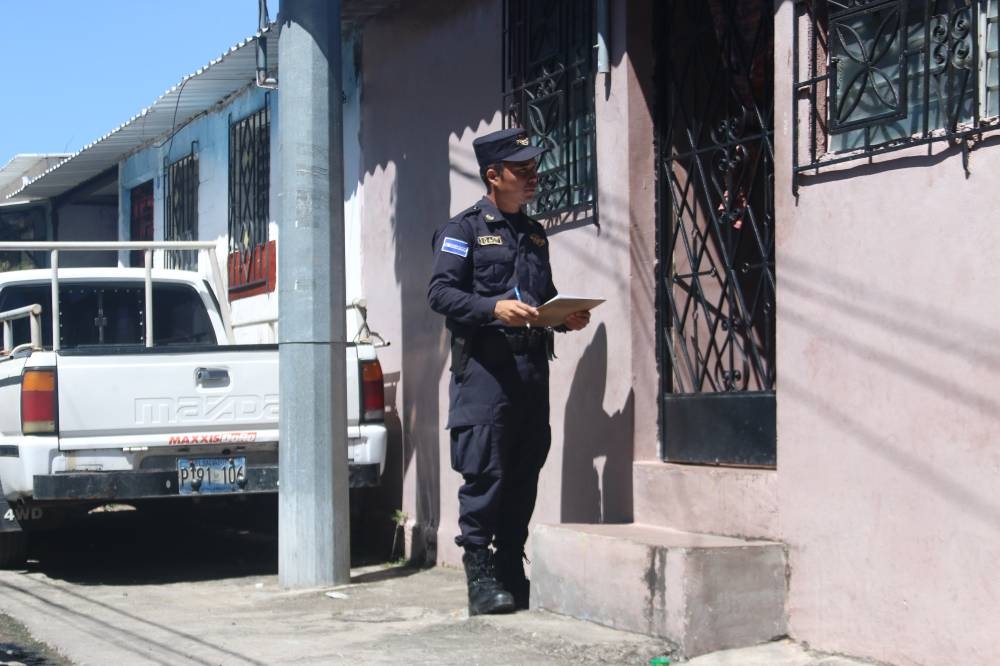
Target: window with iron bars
[
  {"x": 876, "y": 76},
  {"x": 24, "y": 223},
  {"x": 251, "y": 265},
  {"x": 180, "y": 210},
  {"x": 549, "y": 90}
]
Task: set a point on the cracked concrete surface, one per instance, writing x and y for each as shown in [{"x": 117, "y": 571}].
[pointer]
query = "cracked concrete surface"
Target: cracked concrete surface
[
  {"x": 390, "y": 616},
  {"x": 198, "y": 589}
]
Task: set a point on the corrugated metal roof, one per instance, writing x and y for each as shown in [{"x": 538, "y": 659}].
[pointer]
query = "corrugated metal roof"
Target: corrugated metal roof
[
  {"x": 192, "y": 96},
  {"x": 24, "y": 167},
  {"x": 196, "y": 93}
]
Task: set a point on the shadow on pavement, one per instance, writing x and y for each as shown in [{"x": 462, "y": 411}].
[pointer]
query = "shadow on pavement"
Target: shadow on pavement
[
  {"x": 169, "y": 542},
  {"x": 161, "y": 542}
]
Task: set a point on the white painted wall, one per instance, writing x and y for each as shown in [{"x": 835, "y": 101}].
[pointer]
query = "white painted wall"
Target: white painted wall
[{"x": 208, "y": 136}]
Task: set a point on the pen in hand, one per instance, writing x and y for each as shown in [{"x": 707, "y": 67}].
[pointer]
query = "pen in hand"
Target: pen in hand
[{"x": 517, "y": 294}]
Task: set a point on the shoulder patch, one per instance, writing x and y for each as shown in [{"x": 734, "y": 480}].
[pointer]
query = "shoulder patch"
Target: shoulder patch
[
  {"x": 537, "y": 239},
  {"x": 455, "y": 246}
]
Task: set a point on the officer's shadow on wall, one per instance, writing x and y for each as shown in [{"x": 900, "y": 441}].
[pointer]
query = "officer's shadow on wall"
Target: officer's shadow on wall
[{"x": 597, "y": 446}]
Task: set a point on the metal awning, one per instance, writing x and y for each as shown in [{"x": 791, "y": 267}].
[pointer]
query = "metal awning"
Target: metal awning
[
  {"x": 195, "y": 94},
  {"x": 21, "y": 168}
]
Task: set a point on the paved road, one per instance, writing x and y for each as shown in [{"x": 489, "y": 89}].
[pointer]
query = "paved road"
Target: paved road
[
  {"x": 153, "y": 588},
  {"x": 200, "y": 587}
]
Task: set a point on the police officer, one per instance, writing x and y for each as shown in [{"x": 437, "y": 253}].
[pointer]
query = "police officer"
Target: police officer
[{"x": 491, "y": 270}]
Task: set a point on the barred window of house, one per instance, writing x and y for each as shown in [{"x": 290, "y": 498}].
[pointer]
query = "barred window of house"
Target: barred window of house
[
  {"x": 251, "y": 264},
  {"x": 180, "y": 210},
  {"x": 549, "y": 90},
  {"x": 876, "y": 76},
  {"x": 24, "y": 223}
]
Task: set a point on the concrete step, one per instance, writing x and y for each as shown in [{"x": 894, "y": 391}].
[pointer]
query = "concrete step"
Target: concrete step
[{"x": 701, "y": 592}]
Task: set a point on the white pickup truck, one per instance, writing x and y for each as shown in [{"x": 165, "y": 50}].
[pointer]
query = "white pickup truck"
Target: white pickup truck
[{"x": 130, "y": 402}]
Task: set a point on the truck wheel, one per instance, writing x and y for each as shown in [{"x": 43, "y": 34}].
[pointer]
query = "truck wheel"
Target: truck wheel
[{"x": 13, "y": 550}]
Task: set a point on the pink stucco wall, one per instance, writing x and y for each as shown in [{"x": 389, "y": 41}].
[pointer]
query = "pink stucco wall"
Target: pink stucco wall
[
  {"x": 887, "y": 359},
  {"x": 422, "y": 105},
  {"x": 888, "y": 419},
  {"x": 887, "y": 353}
]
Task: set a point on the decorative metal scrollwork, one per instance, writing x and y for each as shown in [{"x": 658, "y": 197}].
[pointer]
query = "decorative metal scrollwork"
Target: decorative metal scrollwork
[
  {"x": 951, "y": 41},
  {"x": 952, "y": 60},
  {"x": 869, "y": 75},
  {"x": 881, "y": 75},
  {"x": 549, "y": 90},
  {"x": 249, "y": 200},
  {"x": 716, "y": 178},
  {"x": 180, "y": 201}
]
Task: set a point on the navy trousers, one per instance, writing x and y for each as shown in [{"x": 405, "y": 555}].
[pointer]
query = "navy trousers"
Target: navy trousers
[{"x": 500, "y": 438}]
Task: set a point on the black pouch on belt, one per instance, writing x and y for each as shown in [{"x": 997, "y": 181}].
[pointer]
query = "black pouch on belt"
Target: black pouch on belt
[{"x": 459, "y": 354}]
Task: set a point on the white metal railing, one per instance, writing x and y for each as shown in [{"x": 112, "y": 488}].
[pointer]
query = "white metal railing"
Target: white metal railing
[
  {"x": 32, "y": 312},
  {"x": 55, "y": 247},
  {"x": 363, "y": 334}
]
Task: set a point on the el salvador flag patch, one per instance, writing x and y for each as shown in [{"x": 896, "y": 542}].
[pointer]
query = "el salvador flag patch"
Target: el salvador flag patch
[{"x": 455, "y": 246}]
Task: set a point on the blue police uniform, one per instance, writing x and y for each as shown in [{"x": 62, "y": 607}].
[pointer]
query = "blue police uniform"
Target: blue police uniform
[{"x": 499, "y": 393}]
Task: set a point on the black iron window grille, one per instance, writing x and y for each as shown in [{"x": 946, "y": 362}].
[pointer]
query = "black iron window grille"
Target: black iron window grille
[
  {"x": 549, "y": 90},
  {"x": 250, "y": 263},
  {"x": 875, "y": 76},
  {"x": 24, "y": 223},
  {"x": 180, "y": 208},
  {"x": 715, "y": 230}
]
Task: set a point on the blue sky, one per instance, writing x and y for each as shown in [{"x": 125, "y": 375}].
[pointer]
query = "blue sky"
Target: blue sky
[{"x": 76, "y": 69}]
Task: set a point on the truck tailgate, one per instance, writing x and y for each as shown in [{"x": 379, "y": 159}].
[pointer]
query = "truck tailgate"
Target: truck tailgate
[{"x": 146, "y": 398}]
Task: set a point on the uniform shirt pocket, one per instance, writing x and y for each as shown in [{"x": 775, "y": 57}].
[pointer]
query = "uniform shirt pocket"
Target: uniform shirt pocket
[
  {"x": 536, "y": 273},
  {"x": 493, "y": 267}
]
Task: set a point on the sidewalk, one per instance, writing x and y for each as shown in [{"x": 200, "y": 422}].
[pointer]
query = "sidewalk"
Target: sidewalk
[{"x": 385, "y": 616}]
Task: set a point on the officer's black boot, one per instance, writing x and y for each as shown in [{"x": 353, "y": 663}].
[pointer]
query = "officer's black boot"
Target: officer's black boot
[
  {"x": 485, "y": 594},
  {"x": 510, "y": 573}
]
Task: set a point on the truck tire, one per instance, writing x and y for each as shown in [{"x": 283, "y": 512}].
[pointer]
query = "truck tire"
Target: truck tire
[{"x": 13, "y": 550}]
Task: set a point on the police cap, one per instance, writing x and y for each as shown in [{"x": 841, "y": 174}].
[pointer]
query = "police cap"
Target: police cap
[{"x": 509, "y": 145}]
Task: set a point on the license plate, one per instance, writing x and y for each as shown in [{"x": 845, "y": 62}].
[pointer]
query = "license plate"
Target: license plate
[{"x": 211, "y": 475}]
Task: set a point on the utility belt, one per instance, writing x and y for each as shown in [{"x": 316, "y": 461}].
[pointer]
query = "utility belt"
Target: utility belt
[
  {"x": 518, "y": 340},
  {"x": 495, "y": 341}
]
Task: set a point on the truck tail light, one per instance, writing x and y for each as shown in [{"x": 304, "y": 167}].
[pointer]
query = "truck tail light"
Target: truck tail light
[
  {"x": 38, "y": 402},
  {"x": 372, "y": 391}
]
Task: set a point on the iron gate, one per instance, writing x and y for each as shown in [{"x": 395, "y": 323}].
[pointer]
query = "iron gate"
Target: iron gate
[{"x": 715, "y": 162}]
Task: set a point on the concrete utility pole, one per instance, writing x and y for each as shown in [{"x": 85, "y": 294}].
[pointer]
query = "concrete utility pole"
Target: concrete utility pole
[{"x": 313, "y": 516}]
